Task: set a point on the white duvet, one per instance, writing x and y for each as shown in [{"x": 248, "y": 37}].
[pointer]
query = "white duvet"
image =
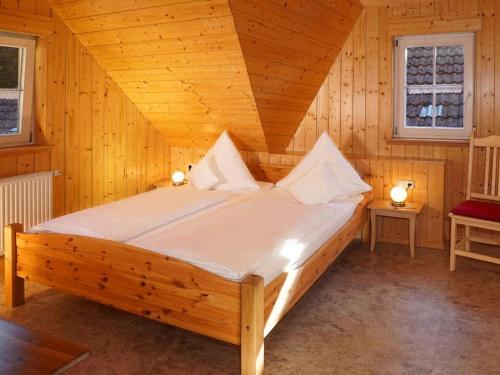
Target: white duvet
[
  {"x": 264, "y": 234},
  {"x": 130, "y": 217}
]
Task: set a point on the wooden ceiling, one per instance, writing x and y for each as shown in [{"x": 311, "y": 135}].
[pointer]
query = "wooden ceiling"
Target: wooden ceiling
[
  {"x": 197, "y": 67},
  {"x": 289, "y": 46}
]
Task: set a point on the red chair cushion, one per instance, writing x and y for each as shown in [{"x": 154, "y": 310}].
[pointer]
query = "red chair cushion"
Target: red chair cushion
[{"x": 479, "y": 210}]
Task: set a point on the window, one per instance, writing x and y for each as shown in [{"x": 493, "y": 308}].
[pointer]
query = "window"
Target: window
[
  {"x": 17, "y": 65},
  {"x": 434, "y": 86}
]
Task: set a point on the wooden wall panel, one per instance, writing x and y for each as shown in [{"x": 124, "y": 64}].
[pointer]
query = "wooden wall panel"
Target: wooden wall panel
[
  {"x": 93, "y": 128},
  {"x": 359, "y": 103},
  {"x": 412, "y": 18},
  {"x": 28, "y": 160}
]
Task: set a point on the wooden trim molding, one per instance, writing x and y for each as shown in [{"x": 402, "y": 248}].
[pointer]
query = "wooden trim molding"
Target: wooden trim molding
[
  {"x": 428, "y": 142},
  {"x": 21, "y": 150},
  {"x": 25, "y": 23},
  {"x": 434, "y": 25}
]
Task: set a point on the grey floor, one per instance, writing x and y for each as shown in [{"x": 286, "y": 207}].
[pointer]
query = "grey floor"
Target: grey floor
[{"x": 371, "y": 313}]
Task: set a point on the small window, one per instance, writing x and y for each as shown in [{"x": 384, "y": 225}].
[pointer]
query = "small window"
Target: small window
[
  {"x": 434, "y": 86},
  {"x": 17, "y": 65}
]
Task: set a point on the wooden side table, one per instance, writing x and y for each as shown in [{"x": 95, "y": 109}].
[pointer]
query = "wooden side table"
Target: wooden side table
[
  {"x": 164, "y": 183},
  {"x": 380, "y": 207},
  {"x": 167, "y": 183}
]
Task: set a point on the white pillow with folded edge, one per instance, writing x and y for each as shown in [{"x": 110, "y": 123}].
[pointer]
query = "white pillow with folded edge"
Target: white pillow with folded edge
[
  {"x": 348, "y": 178},
  {"x": 201, "y": 175},
  {"x": 225, "y": 162},
  {"x": 319, "y": 185}
]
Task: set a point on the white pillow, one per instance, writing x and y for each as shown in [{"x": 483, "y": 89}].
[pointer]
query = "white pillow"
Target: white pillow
[
  {"x": 318, "y": 185},
  {"x": 202, "y": 176},
  {"x": 226, "y": 164},
  {"x": 324, "y": 148}
]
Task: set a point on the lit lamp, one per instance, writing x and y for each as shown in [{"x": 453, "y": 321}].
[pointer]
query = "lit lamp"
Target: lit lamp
[
  {"x": 178, "y": 178},
  {"x": 398, "y": 196}
]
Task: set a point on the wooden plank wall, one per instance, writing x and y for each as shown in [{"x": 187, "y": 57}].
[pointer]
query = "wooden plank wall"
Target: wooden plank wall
[
  {"x": 354, "y": 103},
  {"x": 28, "y": 160},
  {"x": 105, "y": 148}
]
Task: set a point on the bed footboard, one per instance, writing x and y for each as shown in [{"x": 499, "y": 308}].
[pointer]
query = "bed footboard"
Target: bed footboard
[{"x": 126, "y": 277}]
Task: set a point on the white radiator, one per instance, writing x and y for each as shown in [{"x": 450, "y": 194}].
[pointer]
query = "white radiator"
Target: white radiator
[{"x": 25, "y": 199}]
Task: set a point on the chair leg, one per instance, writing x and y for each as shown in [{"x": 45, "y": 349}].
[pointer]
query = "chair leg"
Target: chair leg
[
  {"x": 467, "y": 238},
  {"x": 453, "y": 240}
]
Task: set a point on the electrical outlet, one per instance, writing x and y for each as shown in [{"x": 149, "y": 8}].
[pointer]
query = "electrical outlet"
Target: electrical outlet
[{"x": 407, "y": 184}]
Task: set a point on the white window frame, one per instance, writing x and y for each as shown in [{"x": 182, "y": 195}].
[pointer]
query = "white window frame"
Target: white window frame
[
  {"x": 27, "y": 79},
  {"x": 435, "y": 40}
]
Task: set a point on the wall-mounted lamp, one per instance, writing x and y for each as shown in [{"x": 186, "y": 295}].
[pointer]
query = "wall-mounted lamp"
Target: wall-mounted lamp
[{"x": 178, "y": 178}]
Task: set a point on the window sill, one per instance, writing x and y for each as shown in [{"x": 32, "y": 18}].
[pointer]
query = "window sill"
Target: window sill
[
  {"x": 29, "y": 149},
  {"x": 428, "y": 142}
]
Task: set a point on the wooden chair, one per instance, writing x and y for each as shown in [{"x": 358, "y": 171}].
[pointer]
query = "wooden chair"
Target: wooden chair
[{"x": 481, "y": 209}]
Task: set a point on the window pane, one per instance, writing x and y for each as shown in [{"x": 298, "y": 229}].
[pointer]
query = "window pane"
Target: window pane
[
  {"x": 419, "y": 65},
  {"x": 419, "y": 110},
  {"x": 450, "y": 109},
  {"x": 9, "y": 112},
  {"x": 450, "y": 65},
  {"x": 9, "y": 60}
]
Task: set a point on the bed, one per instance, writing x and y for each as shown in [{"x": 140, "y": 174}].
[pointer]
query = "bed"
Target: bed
[{"x": 239, "y": 308}]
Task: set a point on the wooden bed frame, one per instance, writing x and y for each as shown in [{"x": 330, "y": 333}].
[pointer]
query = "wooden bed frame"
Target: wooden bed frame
[{"x": 167, "y": 289}]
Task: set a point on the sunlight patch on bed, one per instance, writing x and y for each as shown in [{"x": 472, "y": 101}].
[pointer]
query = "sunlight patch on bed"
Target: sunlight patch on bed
[{"x": 292, "y": 250}]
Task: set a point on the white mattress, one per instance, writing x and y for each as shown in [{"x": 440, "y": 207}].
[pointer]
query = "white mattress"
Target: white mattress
[
  {"x": 130, "y": 217},
  {"x": 263, "y": 234}
]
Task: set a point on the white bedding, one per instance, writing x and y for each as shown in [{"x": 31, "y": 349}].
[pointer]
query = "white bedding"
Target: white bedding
[
  {"x": 127, "y": 218},
  {"x": 264, "y": 234},
  {"x": 124, "y": 219}
]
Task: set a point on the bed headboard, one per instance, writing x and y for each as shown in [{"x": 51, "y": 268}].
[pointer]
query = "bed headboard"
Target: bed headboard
[{"x": 270, "y": 173}]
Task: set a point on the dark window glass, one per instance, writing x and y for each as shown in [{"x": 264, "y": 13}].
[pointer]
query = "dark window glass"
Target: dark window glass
[
  {"x": 419, "y": 65},
  {"x": 419, "y": 110},
  {"x": 450, "y": 110},
  {"x": 9, "y": 67},
  {"x": 450, "y": 65},
  {"x": 9, "y": 112}
]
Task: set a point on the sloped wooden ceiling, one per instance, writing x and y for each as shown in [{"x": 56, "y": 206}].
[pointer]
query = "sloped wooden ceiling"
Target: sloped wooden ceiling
[
  {"x": 195, "y": 68},
  {"x": 289, "y": 46}
]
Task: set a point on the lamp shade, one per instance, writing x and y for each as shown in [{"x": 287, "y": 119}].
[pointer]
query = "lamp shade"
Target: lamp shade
[
  {"x": 398, "y": 196},
  {"x": 178, "y": 178}
]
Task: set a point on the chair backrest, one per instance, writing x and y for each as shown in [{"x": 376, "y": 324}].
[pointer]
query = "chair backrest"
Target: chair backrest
[{"x": 490, "y": 189}]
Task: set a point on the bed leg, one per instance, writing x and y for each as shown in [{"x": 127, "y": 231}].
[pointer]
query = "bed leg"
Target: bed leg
[
  {"x": 252, "y": 325},
  {"x": 14, "y": 286}
]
